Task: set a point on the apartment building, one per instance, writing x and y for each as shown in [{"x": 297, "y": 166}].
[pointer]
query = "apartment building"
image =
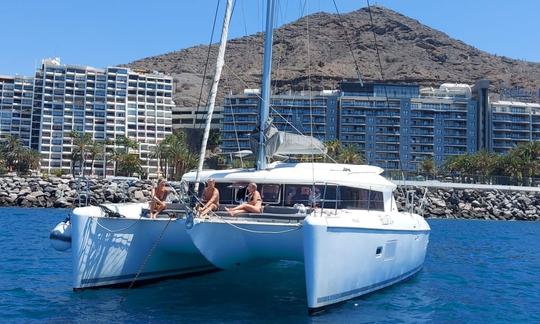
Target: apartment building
[
  {"x": 16, "y": 94},
  {"x": 513, "y": 123},
  {"x": 396, "y": 125},
  {"x": 296, "y": 113},
  {"x": 107, "y": 103}
]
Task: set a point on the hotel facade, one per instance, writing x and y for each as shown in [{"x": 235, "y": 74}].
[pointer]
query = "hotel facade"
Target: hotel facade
[
  {"x": 397, "y": 126},
  {"x": 107, "y": 103}
]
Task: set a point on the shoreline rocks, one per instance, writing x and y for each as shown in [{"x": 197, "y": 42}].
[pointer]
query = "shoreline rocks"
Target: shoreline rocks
[
  {"x": 451, "y": 203},
  {"x": 455, "y": 203}
]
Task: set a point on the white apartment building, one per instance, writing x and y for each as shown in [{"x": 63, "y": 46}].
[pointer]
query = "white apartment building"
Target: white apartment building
[
  {"x": 16, "y": 95},
  {"x": 106, "y": 103}
]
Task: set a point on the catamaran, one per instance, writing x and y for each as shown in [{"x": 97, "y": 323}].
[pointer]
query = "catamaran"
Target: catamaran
[{"x": 340, "y": 220}]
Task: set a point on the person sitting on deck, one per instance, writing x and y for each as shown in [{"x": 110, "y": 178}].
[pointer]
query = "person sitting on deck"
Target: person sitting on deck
[
  {"x": 253, "y": 204},
  {"x": 159, "y": 194},
  {"x": 210, "y": 198}
]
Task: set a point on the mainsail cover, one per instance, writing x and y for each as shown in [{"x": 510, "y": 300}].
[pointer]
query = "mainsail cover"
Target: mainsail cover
[{"x": 283, "y": 143}]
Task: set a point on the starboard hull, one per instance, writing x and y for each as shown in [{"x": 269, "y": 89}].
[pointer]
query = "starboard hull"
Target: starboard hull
[
  {"x": 346, "y": 262},
  {"x": 341, "y": 262}
]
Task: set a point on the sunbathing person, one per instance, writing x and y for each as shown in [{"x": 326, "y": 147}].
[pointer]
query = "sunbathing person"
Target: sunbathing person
[
  {"x": 253, "y": 204},
  {"x": 159, "y": 194},
  {"x": 210, "y": 199}
]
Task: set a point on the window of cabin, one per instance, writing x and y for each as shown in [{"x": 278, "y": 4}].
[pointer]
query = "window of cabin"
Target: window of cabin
[
  {"x": 225, "y": 193},
  {"x": 240, "y": 194},
  {"x": 308, "y": 195},
  {"x": 270, "y": 193},
  {"x": 357, "y": 198},
  {"x": 376, "y": 201}
]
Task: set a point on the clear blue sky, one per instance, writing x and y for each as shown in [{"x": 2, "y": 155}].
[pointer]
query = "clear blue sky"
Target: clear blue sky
[{"x": 107, "y": 32}]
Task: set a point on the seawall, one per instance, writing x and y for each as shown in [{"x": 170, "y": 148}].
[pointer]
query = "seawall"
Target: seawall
[{"x": 63, "y": 192}]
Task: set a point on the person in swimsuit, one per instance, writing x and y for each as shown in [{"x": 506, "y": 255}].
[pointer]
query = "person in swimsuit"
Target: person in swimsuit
[
  {"x": 210, "y": 198},
  {"x": 253, "y": 204},
  {"x": 159, "y": 194}
]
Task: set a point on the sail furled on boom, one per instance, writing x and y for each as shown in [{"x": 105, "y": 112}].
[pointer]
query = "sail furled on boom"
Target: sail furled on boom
[{"x": 284, "y": 143}]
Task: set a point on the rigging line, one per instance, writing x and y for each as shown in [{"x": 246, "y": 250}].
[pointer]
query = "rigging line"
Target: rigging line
[
  {"x": 375, "y": 40},
  {"x": 379, "y": 60},
  {"x": 236, "y": 136},
  {"x": 299, "y": 226},
  {"x": 120, "y": 229},
  {"x": 310, "y": 93},
  {"x": 349, "y": 44},
  {"x": 277, "y": 112},
  {"x": 206, "y": 63},
  {"x": 146, "y": 260}
]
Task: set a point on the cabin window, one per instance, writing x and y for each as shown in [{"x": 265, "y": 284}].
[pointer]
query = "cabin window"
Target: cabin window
[
  {"x": 270, "y": 193},
  {"x": 357, "y": 198},
  {"x": 225, "y": 193},
  {"x": 319, "y": 195},
  {"x": 241, "y": 194},
  {"x": 297, "y": 194}
]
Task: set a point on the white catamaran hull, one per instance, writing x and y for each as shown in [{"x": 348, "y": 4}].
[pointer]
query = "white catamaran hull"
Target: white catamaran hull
[
  {"x": 343, "y": 261},
  {"x": 111, "y": 251},
  {"x": 246, "y": 242},
  {"x": 345, "y": 255}
]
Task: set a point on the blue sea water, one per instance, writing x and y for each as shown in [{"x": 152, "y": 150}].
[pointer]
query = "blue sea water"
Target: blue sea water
[{"x": 475, "y": 271}]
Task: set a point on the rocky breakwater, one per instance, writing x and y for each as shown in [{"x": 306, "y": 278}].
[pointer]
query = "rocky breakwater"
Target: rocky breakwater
[
  {"x": 474, "y": 204},
  {"x": 66, "y": 192}
]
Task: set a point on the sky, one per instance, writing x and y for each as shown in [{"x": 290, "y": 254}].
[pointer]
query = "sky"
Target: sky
[{"x": 104, "y": 33}]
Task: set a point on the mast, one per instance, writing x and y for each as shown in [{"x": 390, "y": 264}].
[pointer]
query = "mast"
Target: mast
[
  {"x": 265, "y": 91},
  {"x": 213, "y": 92}
]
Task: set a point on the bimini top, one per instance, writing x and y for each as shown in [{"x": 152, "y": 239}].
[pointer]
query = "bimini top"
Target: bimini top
[{"x": 358, "y": 176}]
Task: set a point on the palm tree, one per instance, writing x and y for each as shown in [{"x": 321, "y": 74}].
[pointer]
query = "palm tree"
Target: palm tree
[
  {"x": 350, "y": 155},
  {"x": 11, "y": 149},
  {"x": 79, "y": 150},
  {"x": 333, "y": 149},
  {"x": 462, "y": 164},
  {"x": 123, "y": 145},
  {"x": 18, "y": 157},
  {"x": 427, "y": 167},
  {"x": 509, "y": 165},
  {"x": 159, "y": 152},
  {"x": 29, "y": 159},
  {"x": 178, "y": 153},
  {"x": 94, "y": 150},
  {"x": 484, "y": 164},
  {"x": 529, "y": 156},
  {"x": 130, "y": 164}
]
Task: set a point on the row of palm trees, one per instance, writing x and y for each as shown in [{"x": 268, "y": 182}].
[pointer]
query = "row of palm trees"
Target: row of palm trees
[
  {"x": 15, "y": 157},
  {"x": 173, "y": 154},
  {"x": 517, "y": 166},
  {"x": 85, "y": 151},
  {"x": 337, "y": 152}
]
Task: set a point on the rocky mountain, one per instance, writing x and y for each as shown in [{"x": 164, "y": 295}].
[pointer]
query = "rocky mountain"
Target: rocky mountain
[{"x": 409, "y": 51}]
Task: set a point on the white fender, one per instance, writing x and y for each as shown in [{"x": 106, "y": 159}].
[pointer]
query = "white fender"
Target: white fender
[{"x": 61, "y": 236}]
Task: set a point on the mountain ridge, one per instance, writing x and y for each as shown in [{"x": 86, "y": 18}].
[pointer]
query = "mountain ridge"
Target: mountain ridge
[{"x": 409, "y": 52}]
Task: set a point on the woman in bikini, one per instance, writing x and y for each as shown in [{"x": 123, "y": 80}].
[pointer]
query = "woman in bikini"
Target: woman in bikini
[{"x": 253, "y": 204}]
